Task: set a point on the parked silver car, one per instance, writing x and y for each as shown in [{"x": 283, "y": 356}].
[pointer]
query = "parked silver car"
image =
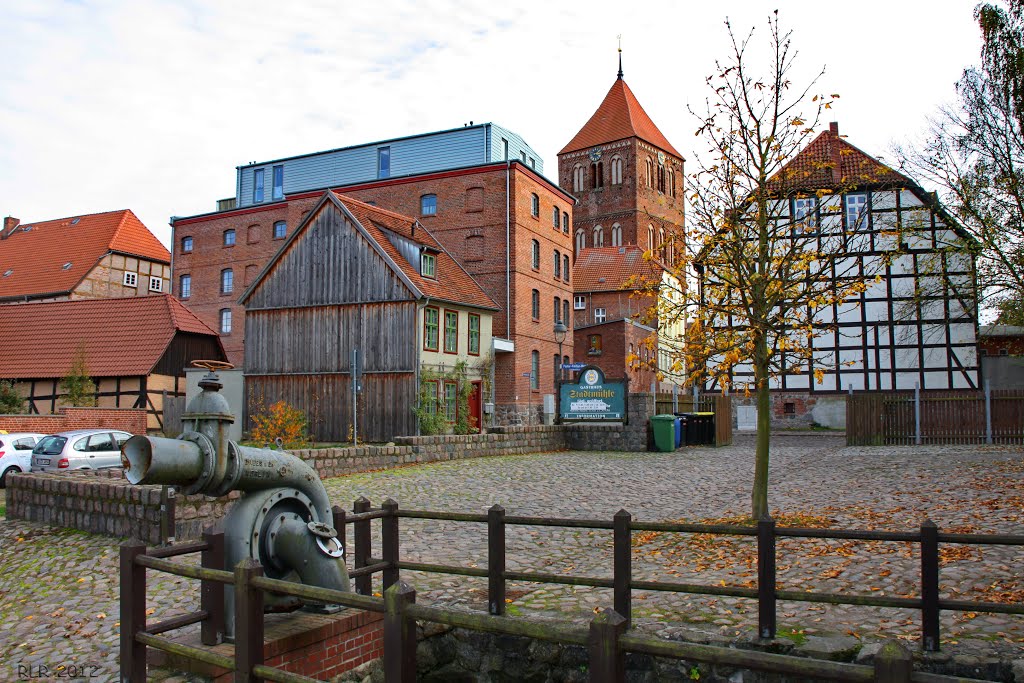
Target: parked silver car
[
  {"x": 79, "y": 449},
  {"x": 16, "y": 453}
]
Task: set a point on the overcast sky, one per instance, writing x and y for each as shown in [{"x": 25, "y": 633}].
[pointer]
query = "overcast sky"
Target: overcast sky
[{"x": 151, "y": 105}]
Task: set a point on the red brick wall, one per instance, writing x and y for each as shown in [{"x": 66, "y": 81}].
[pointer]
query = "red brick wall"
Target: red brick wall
[
  {"x": 473, "y": 231},
  {"x": 994, "y": 346},
  {"x": 616, "y": 338},
  {"x": 126, "y": 419}
]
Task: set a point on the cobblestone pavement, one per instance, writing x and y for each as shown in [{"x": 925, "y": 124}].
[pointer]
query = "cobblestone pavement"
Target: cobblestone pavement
[{"x": 59, "y": 588}]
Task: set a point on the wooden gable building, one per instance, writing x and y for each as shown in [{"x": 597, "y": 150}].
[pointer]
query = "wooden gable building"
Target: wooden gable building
[{"x": 354, "y": 280}]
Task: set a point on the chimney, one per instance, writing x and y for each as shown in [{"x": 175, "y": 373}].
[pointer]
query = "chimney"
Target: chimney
[
  {"x": 837, "y": 176},
  {"x": 10, "y": 225}
]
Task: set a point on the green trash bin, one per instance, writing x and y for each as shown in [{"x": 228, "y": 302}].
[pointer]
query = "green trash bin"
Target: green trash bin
[{"x": 664, "y": 427}]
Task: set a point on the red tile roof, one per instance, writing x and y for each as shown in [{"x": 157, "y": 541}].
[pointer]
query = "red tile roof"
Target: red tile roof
[
  {"x": 620, "y": 116},
  {"x": 829, "y": 161},
  {"x": 607, "y": 269},
  {"x": 120, "y": 337},
  {"x": 36, "y": 253},
  {"x": 452, "y": 282}
]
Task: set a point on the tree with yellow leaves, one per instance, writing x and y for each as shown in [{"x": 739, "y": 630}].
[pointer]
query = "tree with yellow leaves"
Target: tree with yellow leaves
[{"x": 760, "y": 274}]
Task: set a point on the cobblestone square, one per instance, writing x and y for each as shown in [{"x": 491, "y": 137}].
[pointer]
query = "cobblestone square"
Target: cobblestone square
[{"x": 59, "y": 589}]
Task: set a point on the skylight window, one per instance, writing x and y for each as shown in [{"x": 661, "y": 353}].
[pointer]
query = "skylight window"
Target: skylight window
[
  {"x": 8, "y": 272},
  {"x": 74, "y": 221},
  {"x": 66, "y": 266}
]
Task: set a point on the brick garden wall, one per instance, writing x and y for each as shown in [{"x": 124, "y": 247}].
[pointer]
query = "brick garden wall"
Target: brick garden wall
[
  {"x": 125, "y": 419},
  {"x": 102, "y": 501}
]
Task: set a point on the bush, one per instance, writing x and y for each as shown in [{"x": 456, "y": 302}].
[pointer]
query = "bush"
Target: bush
[
  {"x": 10, "y": 402},
  {"x": 79, "y": 390},
  {"x": 282, "y": 421}
]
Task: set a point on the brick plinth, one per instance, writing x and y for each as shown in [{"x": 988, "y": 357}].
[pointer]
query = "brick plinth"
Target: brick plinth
[{"x": 319, "y": 646}]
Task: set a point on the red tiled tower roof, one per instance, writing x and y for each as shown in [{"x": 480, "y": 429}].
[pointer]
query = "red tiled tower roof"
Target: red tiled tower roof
[
  {"x": 620, "y": 116},
  {"x": 608, "y": 269},
  {"x": 830, "y": 161},
  {"x": 36, "y": 253},
  {"x": 122, "y": 337}
]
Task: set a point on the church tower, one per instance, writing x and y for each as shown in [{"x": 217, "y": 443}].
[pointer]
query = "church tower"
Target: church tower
[{"x": 627, "y": 177}]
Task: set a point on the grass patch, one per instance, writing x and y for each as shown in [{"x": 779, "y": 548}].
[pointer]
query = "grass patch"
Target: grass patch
[{"x": 796, "y": 635}]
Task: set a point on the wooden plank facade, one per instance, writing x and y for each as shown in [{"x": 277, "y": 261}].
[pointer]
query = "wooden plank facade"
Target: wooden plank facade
[
  {"x": 330, "y": 291},
  {"x": 946, "y": 417}
]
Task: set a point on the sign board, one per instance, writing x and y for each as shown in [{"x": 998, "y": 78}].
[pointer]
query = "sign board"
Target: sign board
[
  {"x": 592, "y": 397},
  {"x": 573, "y": 366}
]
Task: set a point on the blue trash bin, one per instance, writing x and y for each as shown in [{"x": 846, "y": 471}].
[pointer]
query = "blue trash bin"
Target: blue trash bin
[{"x": 679, "y": 431}]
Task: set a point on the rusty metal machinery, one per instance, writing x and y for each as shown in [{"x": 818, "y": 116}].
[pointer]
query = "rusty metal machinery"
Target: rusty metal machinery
[{"x": 283, "y": 519}]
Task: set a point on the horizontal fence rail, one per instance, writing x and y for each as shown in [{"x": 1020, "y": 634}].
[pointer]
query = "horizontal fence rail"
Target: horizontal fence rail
[{"x": 607, "y": 639}]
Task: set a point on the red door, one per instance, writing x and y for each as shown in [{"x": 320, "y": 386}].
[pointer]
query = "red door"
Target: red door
[{"x": 475, "y": 408}]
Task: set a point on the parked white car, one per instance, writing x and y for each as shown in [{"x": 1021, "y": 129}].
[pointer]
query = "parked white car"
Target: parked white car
[
  {"x": 79, "y": 449},
  {"x": 16, "y": 453}
]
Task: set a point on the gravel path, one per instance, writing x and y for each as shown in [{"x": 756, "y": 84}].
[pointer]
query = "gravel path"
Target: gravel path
[{"x": 59, "y": 589}]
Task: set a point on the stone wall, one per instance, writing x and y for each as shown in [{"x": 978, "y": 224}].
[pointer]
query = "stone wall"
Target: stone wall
[
  {"x": 102, "y": 501},
  {"x": 126, "y": 419}
]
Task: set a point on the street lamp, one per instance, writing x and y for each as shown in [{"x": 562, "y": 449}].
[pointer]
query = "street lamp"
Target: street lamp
[{"x": 560, "y": 331}]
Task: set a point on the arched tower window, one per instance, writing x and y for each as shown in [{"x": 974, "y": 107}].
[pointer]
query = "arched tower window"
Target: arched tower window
[
  {"x": 598, "y": 236},
  {"x": 650, "y": 237},
  {"x": 616, "y": 235},
  {"x": 650, "y": 172},
  {"x": 661, "y": 238},
  {"x": 616, "y": 170},
  {"x": 661, "y": 178},
  {"x": 581, "y": 240},
  {"x": 671, "y": 182},
  {"x": 597, "y": 175},
  {"x": 577, "y": 178}
]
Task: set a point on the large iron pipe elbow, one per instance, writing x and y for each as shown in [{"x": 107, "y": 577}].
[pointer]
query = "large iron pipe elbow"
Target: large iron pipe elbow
[
  {"x": 261, "y": 468},
  {"x": 296, "y": 547}
]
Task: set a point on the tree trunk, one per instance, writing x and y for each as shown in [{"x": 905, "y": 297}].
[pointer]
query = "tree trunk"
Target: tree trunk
[{"x": 759, "y": 495}]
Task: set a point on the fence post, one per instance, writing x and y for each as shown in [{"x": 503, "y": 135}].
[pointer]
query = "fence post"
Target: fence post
[
  {"x": 766, "y": 578},
  {"x": 622, "y": 563},
  {"x": 338, "y": 520},
  {"x": 496, "y": 560},
  {"x": 167, "y": 521},
  {"x": 893, "y": 663},
  {"x": 929, "y": 586},
  {"x": 917, "y": 413},
  {"x": 607, "y": 663},
  {"x": 988, "y": 413},
  {"x": 361, "y": 536},
  {"x": 133, "y": 612},
  {"x": 211, "y": 593},
  {"x": 399, "y": 635},
  {"x": 248, "y": 621},
  {"x": 389, "y": 542}
]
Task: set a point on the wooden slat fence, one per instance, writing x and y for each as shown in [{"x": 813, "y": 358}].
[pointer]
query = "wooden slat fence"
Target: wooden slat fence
[
  {"x": 946, "y": 417},
  {"x": 720, "y": 405}
]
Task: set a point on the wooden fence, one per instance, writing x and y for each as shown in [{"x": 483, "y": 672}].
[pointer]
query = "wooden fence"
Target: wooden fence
[
  {"x": 608, "y": 637},
  {"x": 935, "y": 417},
  {"x": 721, "y": 406},
  {"x": 174, "y": 408}
]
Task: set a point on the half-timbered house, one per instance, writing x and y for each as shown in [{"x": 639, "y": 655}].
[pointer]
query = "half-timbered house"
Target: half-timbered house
[
  {"x": 134, "y": 349},
  {"x": 360, "y": 295},
  {"x": 915, "y": 325}
]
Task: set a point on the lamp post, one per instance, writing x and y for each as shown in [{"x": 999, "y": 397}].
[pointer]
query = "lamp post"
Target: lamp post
[{"x": 560, "y": 332}]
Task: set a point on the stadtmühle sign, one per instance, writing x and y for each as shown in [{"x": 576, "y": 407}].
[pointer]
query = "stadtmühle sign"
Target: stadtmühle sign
[{"x": 591, "y": 397}]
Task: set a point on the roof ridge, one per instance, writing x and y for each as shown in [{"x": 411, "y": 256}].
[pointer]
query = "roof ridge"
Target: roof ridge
[{"x": 118, "y": 229}]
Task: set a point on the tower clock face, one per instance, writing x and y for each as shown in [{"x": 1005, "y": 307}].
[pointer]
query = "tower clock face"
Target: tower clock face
[{"x": 595, "y": 154}]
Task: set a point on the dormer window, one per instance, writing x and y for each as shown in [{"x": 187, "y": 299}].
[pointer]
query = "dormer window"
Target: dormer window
[{"x": 428, "y": 263}]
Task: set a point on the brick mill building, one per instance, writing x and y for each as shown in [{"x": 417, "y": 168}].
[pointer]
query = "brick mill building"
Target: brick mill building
[
  {"x": 95, "y": 256},
  {"x": 628, "y": 180},
  {"x": 480, "y": 192}
]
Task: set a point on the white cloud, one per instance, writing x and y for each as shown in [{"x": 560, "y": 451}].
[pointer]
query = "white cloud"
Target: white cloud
[{"x": 150, "y": 105}]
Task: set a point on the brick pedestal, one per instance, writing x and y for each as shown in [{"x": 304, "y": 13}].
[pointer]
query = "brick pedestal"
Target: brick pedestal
[{"x": 315, "y": 645}]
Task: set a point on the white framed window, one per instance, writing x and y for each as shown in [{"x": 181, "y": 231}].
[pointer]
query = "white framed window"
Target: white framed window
[
  {"x": 856, "y": 211},
  {"x": 257, "y": 185},
  {"x": 225, "y": 321},
  {"x": 535, "y": 254},
  {"x": 278, "y": 188},
  {"x": 131, "y": 279},
  {"x": 581, "y": 240},
  {"x": 185, "y": 287},
  {"x": 227, "y": 281},
  {"x": 803, "y": 212},
  {"x": 229, "y": 238},
  {"x": 579, "y": 303},
  {"x": 535, "y": 205},
  {"x": 156, "y": 284},
  {"x": 598, "y": 236},
  {"x": 616, "y": 235},
  {"x": 280, "y": 229},
  {"x": 428, "y": 265},
  {"x": 600, "y": 315},
  {"x": 383, "y": 162}
]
